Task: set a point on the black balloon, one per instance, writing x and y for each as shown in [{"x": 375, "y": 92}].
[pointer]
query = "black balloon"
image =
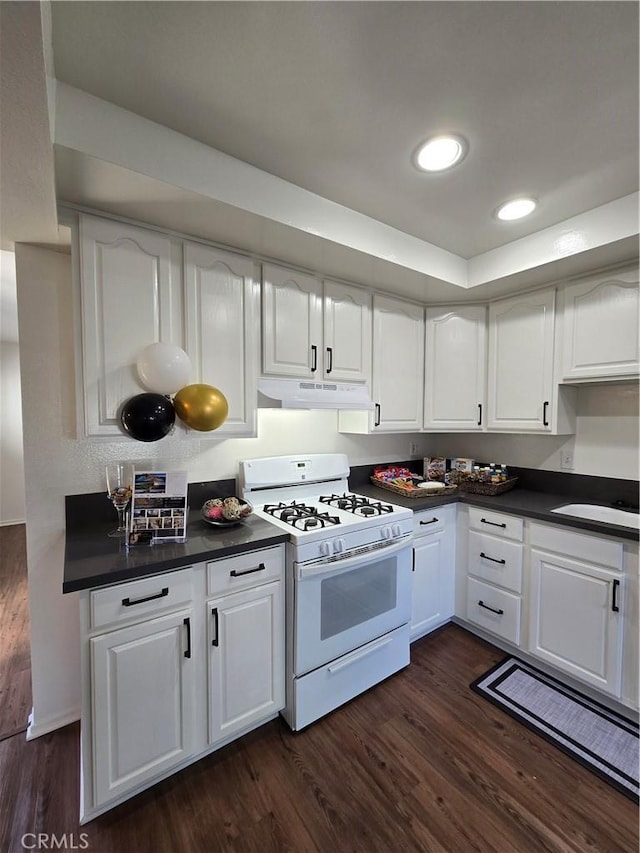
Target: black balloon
[{"x": 148, "y": 417}]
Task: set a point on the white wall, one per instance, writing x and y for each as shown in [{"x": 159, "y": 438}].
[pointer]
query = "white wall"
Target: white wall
[
  {"x": 11, "y": 461},
  {"x": 606, "y": 442},
  {"x": 12, "y": 510},
  {"x": 57, "y": 463}
]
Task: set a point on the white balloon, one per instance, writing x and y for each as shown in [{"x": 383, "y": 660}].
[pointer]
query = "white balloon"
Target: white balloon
[{"x": 164, "y": 368}]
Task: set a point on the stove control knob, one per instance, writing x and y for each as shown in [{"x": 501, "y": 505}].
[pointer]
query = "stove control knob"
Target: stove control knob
[
  {"x": 396, "y": 530},
  {"x": 386, "y": 533},
  {"x": 338, "y": 546},
  {"x": 325, "y": 549}
]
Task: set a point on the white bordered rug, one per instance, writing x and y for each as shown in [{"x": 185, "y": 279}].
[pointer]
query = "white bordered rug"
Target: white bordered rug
[{"x": 592, "y": 734}]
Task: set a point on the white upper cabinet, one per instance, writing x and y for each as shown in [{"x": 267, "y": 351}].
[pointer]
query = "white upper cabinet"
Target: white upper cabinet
[
  {"x": 398, "y": 365},
  {"x": 455, "y": 369},
  {"x": 347, "y": 333},
  {"x": 522, "y": 394},
  {"x": 397, "y": 374},
  {"x": 291, "y": 323},
  {"x": 315, "y": 331},
  {"x": 129, "y": 298},
  {"x": 222, "y": 330},
  {"x": 600, "y": 330}
]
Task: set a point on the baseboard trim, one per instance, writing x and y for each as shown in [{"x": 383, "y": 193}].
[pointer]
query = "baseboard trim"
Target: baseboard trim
[
  {"x": 13, "y": 522},
  {"x": 35, "y": 730}
]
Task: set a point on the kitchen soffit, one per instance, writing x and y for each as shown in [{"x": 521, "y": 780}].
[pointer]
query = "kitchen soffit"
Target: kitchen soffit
[{"x": 333, "y": 97}]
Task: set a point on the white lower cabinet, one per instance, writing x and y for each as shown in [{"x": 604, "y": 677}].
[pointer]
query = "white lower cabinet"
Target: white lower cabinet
[
  {"x": 575, "y": 609},
  {"x": 246, "y": 668},
  {"x": 494, "y": 572},
  {"x": 154, "y": 698},
  {"x": 143, "y": 702},
  {"x": 433, "y": 575},
  {"x": 566, "y": 597}
]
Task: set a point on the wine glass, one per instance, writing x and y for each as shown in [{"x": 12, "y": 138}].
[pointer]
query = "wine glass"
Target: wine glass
[{"x": 119, "y": 486}]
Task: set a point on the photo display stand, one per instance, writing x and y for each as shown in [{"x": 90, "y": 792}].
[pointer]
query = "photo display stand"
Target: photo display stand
[{"x": 159, "y": 508}]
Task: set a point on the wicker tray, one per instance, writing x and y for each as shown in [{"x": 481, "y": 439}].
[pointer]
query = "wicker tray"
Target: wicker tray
[
  {"x": 487, "y": 488},
  {"x": 414, "y": 492}
]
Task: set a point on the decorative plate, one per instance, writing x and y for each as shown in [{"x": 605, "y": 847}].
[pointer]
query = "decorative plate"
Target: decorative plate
[{"x": 225, "y": 512}]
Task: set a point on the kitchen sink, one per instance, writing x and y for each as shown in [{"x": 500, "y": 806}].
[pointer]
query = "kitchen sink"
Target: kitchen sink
[{"x": 594, "y": 512}]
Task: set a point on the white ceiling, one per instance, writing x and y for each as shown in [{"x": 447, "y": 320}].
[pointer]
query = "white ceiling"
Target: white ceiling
[{"x": 334, "y": 97}]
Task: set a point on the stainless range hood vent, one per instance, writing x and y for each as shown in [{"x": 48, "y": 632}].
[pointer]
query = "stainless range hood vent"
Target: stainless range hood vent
[{"x": 308, "y": 394}]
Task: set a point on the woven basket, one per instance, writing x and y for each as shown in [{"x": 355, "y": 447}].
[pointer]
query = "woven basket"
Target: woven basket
[
  {"x": 479, "y": 488},
  {"x": 414, "y": 491}
]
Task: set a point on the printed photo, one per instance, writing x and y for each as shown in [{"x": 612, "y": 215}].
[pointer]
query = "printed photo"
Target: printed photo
[{"x": 150, "y": 483}]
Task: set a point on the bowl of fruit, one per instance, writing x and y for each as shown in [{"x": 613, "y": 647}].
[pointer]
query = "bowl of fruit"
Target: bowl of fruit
[{"x": 225, "y": 512}]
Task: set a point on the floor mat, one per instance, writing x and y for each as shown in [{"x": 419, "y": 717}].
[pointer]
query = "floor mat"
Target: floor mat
[{"x": 592, "y": 734}]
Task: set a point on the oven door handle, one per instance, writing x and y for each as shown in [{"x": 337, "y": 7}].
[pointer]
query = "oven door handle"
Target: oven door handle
[{"x": 334, "y": 567}]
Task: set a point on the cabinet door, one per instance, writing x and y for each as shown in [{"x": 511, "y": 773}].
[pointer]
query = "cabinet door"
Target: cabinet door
[
  {"x": 601, "y": 328},
  {"x": 143, "y": 703},
  {"x": 291, "y": 323},
  {"x": 521, "y": 362},
  {"x": 455, "y": 368},
  {"x": 575, "y": 620},
  {"x": 432, "y": 585},
  {"x": 347, "y": 333},
  {"x": 222, "y": 329},
  {"x": 129, "y": 299},
  {"x": 246, "y": 662},
  {"x": 398, "y": 365}
]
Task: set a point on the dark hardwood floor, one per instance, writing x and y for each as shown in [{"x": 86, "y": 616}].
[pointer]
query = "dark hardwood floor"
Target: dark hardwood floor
[
  {"x": 15, "y": 661},
  {"x": 419, "y": 763}
]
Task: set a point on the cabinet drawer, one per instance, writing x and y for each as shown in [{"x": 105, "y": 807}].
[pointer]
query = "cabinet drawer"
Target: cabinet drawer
[
  {"x": 496, "y": 560},
  {"x": 330, "y": 686},
  {"x": 494, "y": 610},
  {"x": 581, "y": 546},
  {"x": 245, "y": 570},
  {"x": 496, "y": 523},
  {"x": 143, "y": 597}
]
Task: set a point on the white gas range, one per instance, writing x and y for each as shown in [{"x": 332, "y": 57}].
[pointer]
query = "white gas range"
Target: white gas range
[{"x": 348, "y": 579}]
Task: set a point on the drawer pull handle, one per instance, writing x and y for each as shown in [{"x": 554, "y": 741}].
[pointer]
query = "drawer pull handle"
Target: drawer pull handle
[
  {"x": 187, "y": 625},
  {"x": 493, "y": 559},
  {"x": 614, "y": 597},
  {"x": 314, "y": 358},
  {"x": 430, "y": 522},
  {"x": 347, "y": 660},
  {"x": 492, "y": 609},
  {"x": 214, "y": 614},
  {"x": 492, "y": 523},
  {"x": 479, "y": 414},
  {"x": 545, "y": 406},
  {"x": 376, "y": 420},
  {"x": 235, "y": 574},
  {"x": 127, "y": 602},
  {"x": 330, "y": 364}
]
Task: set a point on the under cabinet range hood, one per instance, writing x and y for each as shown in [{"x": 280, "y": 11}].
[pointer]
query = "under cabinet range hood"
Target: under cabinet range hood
[{"x": 309, "y": 394}]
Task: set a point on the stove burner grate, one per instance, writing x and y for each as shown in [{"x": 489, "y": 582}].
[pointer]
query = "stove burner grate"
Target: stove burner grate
[
  {"x": 356, "y": 504},
  {"x": 300, "y": 515}
]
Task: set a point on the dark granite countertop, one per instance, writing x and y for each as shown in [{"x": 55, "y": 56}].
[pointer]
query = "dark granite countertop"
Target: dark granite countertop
[
  {"x": 94, "y": 559},
  {"x": 525, "y": 502}
]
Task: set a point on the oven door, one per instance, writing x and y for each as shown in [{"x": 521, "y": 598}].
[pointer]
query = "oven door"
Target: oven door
[{"x": 341, "y": 605}]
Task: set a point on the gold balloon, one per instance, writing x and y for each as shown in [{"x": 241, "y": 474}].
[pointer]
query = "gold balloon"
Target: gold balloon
[{"x": 201, "y": 407}]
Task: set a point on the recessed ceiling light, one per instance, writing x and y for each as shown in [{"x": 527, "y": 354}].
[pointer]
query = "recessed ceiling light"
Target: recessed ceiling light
[
  {"x": 516, "y": 209},
  {"x": 440, "y": 152}
]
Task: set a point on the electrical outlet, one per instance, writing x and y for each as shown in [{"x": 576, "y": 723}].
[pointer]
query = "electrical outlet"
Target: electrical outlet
[
  {"x": 566, "y": 459},
  {"x": 413, "y": 448}
]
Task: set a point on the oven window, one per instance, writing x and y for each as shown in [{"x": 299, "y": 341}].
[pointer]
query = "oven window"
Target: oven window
[{"x": 351, "y": 598}]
